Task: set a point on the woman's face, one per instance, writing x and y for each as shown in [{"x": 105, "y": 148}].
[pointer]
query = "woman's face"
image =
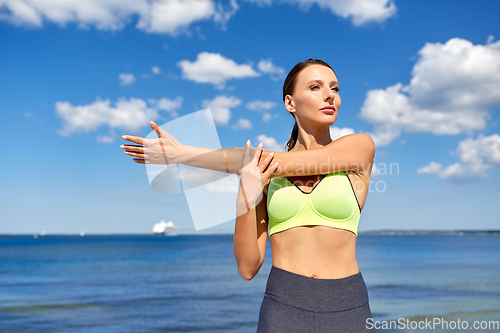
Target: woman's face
[{"x": 315, "y": 100}]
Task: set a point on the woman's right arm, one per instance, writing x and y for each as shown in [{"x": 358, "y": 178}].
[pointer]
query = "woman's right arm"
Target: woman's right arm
[
  {"x": 250, "y": 238},
  {"x": 250, "y": 230}
]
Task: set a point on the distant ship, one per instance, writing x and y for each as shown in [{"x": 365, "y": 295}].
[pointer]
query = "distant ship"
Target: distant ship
[{"x": 165, "y": 229}]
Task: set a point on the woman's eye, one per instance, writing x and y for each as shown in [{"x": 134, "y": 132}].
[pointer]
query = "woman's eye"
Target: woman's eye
[
  {"x": 337, "y": 89},
  {"x": 314, "y": 87}
]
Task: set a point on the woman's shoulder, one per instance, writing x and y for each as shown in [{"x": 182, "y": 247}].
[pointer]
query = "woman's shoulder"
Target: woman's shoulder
[
  {"x": 361, "y": 142},
  {"x": 357, "y": 138}
]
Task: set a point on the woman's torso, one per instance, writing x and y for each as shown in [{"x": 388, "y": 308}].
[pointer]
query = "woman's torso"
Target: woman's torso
[{"x": 319, "y": 251}]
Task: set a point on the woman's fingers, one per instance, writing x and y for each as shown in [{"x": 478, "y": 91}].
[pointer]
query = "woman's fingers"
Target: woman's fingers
[
  {"x": 134, "y": 139},
  {"x": 270, "y": 170},
  {"x": 155, "y": 127},
  {"x": 266, "y": 167},
  {"x": 246, "y": 154},
  {"x": 162, "y": 134},
  {"x": 263, "y": 164},
  {"x": 133, "y": 148},
  {"x": 152, "y": 151},
  {"x": 129, "y": 153},
  {"x": 258, "y": 153},
  {"x": 160, "y": 131},
  {"x": 126, "y": 146},
  {"x": 139, "y": 160}
]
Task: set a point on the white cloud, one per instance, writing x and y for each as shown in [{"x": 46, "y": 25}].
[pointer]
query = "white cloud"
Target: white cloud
[
  {"x": 155, "y": 16},
  {"x": 476, "y": 157},
  {"x": 270, "y": 143},
  {"x": 174, "y": 16},
  {"x": 103, "y": 14},
  {"x": 266, "y": 66},
  {"x": 221, "y": 16},
  {"x": 359, "y": 11},
  {"x": 36, "y": 119},
  {"x": 266, "y": 117},
  {"x": 165, "y": 16},
  {"x": 214, "y": 68},
  {"x": 431, "y": 168},
  {"x": 337, "y": 132},
  {"x": 126, "y": 79},
  {"x": 170, "y": 105},
  {"x": 242, "y": 124},
  {"x": 156, "y": 70},
  {"x": 453, "y": 87},
  {"x": 128, "y": 115},
  {"x": 110, "y": 138},
  {"x": 258, "y": 105},
  {"x": 221, "y": 108}
]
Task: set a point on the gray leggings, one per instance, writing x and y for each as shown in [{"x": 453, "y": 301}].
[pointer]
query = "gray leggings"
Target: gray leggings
[{"x": 297, "y": 303}]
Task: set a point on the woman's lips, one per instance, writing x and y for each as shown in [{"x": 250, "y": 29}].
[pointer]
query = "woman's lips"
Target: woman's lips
[{"x": 328, "y": 110}]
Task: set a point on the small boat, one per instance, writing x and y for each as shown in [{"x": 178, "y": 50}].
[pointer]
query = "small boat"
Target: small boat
[{"x": 165, "y": 228}]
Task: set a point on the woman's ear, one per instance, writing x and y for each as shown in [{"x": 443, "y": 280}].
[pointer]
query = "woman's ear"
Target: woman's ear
[{"x": 289, "y": 103}]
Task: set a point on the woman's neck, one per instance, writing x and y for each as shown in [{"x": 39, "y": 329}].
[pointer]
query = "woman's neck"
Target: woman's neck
[{"x": 312, "y": 138}]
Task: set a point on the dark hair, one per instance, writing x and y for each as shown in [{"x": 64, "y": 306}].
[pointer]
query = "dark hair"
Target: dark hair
[{"x": 289, "y": 86}]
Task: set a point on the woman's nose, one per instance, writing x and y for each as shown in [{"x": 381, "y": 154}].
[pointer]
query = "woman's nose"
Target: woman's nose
[{"x": 330, "y": 96}]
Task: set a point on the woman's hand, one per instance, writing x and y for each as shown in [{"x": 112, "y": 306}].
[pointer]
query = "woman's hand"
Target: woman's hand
[
  {"x": 254, "y": 175},
  {"x": 153, "y": 151}
]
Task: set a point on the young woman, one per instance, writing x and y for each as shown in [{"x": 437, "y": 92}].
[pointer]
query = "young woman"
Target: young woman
[{"x": 308, "y": 200}]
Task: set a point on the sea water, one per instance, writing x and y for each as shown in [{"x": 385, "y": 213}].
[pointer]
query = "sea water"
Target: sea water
[{"x": 189, "y": 283}]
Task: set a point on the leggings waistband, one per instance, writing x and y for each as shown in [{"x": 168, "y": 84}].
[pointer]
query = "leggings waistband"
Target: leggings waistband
[{"x": 319, "y": 295}]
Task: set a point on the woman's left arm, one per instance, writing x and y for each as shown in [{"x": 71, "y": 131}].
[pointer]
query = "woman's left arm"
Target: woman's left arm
[{"x": 354, "y": 152}]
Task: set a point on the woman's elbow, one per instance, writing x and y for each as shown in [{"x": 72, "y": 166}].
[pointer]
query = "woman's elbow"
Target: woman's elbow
[{"x": 248, "y": 274}]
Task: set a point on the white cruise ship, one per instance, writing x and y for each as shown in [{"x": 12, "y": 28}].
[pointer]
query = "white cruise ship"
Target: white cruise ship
[{"x": 165, "y": 229}]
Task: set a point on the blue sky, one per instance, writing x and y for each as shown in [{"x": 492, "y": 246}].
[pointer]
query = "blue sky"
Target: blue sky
[{"x": 422, "y": 78}]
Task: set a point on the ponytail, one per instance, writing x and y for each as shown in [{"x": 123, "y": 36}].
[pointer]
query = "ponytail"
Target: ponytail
[{"x": 293, "y": 137}]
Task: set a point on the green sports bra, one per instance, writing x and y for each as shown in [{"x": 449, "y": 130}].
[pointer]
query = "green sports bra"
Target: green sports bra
[{"x": 331, "y": 203}]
